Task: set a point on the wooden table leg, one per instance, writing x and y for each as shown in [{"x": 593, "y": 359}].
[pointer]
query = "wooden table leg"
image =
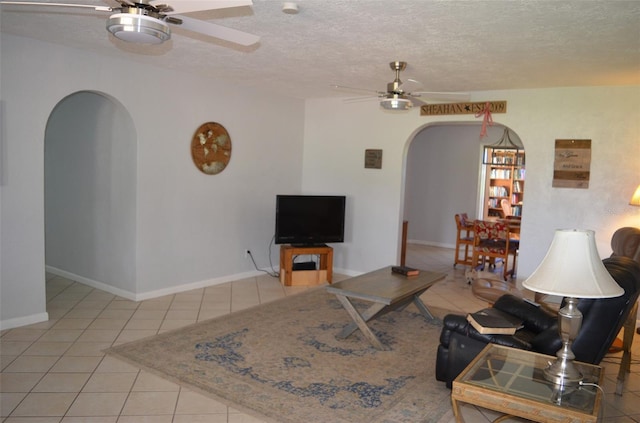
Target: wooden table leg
[
  {"x": 456, "y": 411},
  {"x": 361, "y": 321},
  {"x": 422, "y": 307}
]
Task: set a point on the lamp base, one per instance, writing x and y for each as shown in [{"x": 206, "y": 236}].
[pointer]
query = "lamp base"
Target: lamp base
[{"x": 562, "y": 372}]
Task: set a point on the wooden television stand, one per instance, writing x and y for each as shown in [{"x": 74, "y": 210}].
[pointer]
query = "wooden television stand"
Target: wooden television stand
[{"x": 290, "y": 277}]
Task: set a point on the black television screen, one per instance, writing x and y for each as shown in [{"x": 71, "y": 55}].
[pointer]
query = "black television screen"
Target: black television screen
[{"x": 309, "y": 219}]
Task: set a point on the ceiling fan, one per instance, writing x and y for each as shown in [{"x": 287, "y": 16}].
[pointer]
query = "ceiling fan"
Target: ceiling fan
[
  {"x": 396, "y": 98},
  {"x": 147, "y": 21}
]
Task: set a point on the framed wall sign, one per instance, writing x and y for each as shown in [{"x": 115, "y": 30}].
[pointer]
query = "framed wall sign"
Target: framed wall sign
[
  {"x": 211, "y": 148},
  {"x": 372, "y": 159},
  {"x": 572, "y": 165}
]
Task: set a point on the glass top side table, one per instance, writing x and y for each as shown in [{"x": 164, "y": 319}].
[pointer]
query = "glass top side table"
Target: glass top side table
[{"x": 511, "y": 381}]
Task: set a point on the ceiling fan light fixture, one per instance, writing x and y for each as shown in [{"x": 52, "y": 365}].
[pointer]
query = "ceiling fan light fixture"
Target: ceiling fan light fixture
[
  {"x": 396, "y": 103},
  {"x": 137, "y": 28}
]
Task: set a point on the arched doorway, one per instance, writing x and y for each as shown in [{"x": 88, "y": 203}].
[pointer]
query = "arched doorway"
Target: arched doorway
[
  {"x": 90, "y": 191},
  {"x": 443, "y": 175}
]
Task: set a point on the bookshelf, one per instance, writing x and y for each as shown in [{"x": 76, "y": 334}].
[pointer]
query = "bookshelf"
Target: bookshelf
[{"x": 505, "y": 176}]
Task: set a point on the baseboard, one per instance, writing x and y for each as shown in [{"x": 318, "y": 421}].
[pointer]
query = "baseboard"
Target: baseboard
[
  {"x": 431, "y": 244},
  {"x": 23, "y": 321},
  {"x": 147, "y": 295}
]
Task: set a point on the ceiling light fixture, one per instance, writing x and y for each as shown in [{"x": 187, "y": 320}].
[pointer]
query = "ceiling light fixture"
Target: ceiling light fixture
[
  {"x": 503, "y": 144},
  {"x": 396, "y": 103},
  {"x": 138, "y": 25}
]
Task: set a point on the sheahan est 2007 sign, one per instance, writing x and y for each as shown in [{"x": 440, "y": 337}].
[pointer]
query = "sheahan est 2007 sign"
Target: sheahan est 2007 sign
[{"x": 467, "y": 108}]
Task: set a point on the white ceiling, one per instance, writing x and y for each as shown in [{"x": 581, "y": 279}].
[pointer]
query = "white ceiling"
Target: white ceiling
[{"x": 449, "y": 45}]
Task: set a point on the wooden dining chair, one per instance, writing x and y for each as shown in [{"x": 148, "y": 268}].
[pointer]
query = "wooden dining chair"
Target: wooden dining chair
[
  {"x": 492, "y": 241},
  {"x": 464, "y": 240}
]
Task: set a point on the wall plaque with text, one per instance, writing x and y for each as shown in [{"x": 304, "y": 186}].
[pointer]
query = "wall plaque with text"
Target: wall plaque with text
[{"x": 469, "y": 108}]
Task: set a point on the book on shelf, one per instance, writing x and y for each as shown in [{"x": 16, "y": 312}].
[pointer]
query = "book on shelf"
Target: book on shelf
[
  {"x": 491, "y": 321},
  {"x": 405, "y": 270}
]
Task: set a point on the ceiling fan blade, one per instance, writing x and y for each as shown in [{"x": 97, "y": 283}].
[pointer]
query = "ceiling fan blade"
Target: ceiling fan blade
[
  {"x": 442, "y": 96},
  {"x": 37, "y": 3},
  {"x": 187, "y": 6},
  {"x": 417, "y": 102},
  {"x": 361, "y": 99},
  {"x": 217, "y": 31},
  {"x": 362, "y": 90},
  {"x": 411, "y": 85}
]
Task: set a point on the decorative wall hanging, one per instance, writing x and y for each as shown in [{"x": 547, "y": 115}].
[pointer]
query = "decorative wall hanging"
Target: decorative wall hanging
[
  {"x": 572, "y": 164},
  {"x": 372, "y": 159},
  {"x": 467, "y": 108},
  {"x": 211, "y": 148}
]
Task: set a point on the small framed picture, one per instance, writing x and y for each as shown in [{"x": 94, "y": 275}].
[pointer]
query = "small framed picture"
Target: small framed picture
[{"x": 372, "y": 159}]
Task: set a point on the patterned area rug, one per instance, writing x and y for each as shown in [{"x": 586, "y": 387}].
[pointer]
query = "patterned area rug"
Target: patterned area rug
[{"x": 282, "y": 363}]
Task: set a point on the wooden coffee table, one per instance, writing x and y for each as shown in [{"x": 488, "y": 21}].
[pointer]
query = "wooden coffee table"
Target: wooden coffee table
[{"x": 387, "y": 291}]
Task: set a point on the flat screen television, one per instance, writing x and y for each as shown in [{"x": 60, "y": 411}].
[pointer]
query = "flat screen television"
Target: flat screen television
[{"x": 309, "y": 219}]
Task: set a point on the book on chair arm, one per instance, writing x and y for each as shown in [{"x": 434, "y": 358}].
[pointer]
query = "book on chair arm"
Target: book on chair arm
[{"x": 490, "y": 321}]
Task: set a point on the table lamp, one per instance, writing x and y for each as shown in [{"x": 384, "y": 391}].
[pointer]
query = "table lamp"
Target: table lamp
[
  {"x": 572, "y": 269},
  {"x": 635, "y": 198}
]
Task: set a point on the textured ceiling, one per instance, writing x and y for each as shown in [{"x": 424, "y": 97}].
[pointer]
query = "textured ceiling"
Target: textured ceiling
[{"x": 449, "y": 45}]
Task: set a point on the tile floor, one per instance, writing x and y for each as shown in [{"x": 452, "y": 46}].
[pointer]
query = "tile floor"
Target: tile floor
[{"x": 55, "y": 372}]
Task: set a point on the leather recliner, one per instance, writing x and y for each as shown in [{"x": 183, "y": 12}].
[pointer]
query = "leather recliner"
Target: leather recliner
[{"x": 602, "y": 320}]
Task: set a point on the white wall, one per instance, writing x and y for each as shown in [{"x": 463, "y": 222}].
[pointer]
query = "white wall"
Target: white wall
[
  {"x": 191, "y": 228},
  {"x": 443, "y": 177},
  {"x": 337, "y": 133}
]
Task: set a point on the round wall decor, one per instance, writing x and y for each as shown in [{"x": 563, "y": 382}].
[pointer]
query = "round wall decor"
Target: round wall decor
[{"x": 211, "y": 148}]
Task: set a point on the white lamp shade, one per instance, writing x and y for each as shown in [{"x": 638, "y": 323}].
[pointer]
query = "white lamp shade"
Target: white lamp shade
[{"x": 573, "y": 268}]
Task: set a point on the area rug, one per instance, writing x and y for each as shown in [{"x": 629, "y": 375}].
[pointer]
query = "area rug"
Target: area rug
[{"x": 281, "y": 362}]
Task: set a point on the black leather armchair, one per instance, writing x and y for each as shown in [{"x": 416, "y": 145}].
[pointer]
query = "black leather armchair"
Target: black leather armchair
[{"x": 602, "y": 320}]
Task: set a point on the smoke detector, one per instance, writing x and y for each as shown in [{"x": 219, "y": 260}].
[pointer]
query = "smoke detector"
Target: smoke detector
[{"x": 290, "y": 8}]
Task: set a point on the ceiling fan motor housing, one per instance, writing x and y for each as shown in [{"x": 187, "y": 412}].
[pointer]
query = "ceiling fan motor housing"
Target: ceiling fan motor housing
[{"x": 139, "y": 25}]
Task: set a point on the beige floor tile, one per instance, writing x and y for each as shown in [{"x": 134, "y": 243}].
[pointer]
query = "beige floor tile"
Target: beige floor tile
[
  {"x": 132, "y": 335},
  {"x": 122, "y": 305},
  {"x": 86, "y": 419},
  {"x": 146, "y": 419},
  {"x": 87, "y": 349},
  {"x": 9, "y": 401},
  {"x": 66, "y": 323},
  {"x": 32, "y": 363},
  {"x": 95, "y": 335},
  {"x": 143, "y": 324},
  {"x": 150, "y": 403},
  {"x": 68, "y": 364},
  {"x": 112, "y": 365},
  {"x": 150, "y": 382},
  {"x": 48, "y": 348},
  {"x": 112, "y": 313},
  {"x": 19, "y": 382},
  {"x": 102, "y": 323},
  {"x": 175, "y": 324},
  {"x": 32, "y": 420},
  {"x": 177, "y": 314},
  {"x": 110, "y": 382},
  {"x": 44, "y": 404},
  {"x": 152, "y": 314},
  {"x": 23, "y": 334},
  {"x": 13, "y": 347},
  {"x": 62, "y": 382},
  {"x": 190, "y": 402},
  {"x": 82, "y": 313},
  {"x": 201, "y": 418},
  {"x": 97, "y": 404}
]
